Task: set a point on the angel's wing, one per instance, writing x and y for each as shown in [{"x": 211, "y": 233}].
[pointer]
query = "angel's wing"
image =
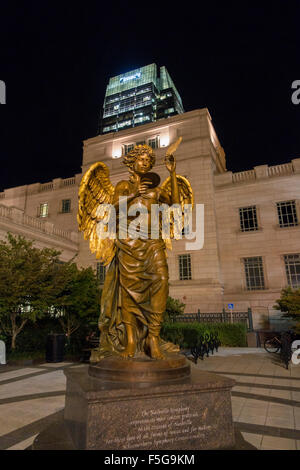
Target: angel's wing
[
  {"x": 95, "y": 189},
  {"x": 186, "y": 197}
]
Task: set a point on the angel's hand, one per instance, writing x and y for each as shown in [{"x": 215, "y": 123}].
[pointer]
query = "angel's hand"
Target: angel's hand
[
  {"x": 144, "y": 186},
  {"x": 134, "y": 180},
  {"x": 170, "y": 163}
]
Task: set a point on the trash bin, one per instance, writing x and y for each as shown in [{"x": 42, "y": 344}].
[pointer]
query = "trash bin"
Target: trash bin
[{"x": 55, "y": 347}]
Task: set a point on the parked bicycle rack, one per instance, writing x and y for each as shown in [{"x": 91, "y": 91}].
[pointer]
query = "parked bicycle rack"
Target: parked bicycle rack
[{"x": 208, "y": 342}]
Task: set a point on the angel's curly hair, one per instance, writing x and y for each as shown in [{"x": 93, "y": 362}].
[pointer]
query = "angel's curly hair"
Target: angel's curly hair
[{"x": 138, "y": 150}]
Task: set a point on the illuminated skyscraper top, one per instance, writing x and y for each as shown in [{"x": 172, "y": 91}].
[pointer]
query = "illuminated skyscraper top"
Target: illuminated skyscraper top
[{"x": 138, "y": 97}]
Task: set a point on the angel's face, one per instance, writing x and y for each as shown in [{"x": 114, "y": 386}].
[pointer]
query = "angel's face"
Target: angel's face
[{"x": 142, "y": 164}]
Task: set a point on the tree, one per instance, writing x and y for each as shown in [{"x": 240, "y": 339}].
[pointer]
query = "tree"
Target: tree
[
  {"x": 289, "y": 303},
  {"x": 30, "y": 280},
  {"x": 174, "y": 307},
  {"x": 79, "y": 302}
]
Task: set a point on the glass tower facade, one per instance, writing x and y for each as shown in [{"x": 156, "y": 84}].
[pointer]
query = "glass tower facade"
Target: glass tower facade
[{"x": 138, "y": 97}]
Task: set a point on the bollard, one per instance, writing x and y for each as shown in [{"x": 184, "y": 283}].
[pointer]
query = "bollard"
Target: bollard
[{"x": 2, "y": 353}]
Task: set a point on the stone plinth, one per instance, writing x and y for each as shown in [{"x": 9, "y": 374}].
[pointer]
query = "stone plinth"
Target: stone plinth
[{"x": 188, "y": 414}]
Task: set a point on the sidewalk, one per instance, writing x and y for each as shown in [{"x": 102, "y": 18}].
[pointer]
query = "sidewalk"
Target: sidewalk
[{"x": 265, "y": 400}]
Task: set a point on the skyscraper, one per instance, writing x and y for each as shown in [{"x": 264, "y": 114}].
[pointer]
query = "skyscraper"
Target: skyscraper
[{"x": 139, "y": 97}]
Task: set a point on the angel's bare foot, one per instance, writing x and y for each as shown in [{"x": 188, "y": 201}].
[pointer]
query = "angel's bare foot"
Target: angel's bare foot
[
  {"x": 129, "y": 351},
  {"x": 155, "y": 351}
]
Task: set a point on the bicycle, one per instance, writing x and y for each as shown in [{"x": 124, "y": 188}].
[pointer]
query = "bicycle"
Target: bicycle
[{"x": 274, "y": 344}]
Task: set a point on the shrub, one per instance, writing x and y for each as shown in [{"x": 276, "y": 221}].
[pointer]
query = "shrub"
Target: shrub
[
  {"x": 173, "y": 308},
  {"x": 186, "y": 334}
]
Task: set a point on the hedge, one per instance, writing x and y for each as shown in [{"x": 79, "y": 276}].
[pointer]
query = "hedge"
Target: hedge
[
  {"x": 187, "y": 334},
  {"x": 33, "y": 338}
]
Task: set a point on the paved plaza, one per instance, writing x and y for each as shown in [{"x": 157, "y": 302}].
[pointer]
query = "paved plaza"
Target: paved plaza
[{"x": 265, "y": 399}]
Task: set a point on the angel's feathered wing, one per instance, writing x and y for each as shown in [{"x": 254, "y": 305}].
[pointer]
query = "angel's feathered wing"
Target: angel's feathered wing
[
  {"x": 186, "y": 197},
  {"x": 95, "y": 189}
]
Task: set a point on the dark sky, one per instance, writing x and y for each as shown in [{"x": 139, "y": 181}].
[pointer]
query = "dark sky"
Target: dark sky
[{"x": 238, "y": 59}]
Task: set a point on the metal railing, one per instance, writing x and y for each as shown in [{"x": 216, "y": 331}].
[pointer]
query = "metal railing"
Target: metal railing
[{"x": 218, "y": 317}]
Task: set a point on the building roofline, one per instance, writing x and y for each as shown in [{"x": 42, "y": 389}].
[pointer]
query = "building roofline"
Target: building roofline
[{"x": 159, "y": 124}]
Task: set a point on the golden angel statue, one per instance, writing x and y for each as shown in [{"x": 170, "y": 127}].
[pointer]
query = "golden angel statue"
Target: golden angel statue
[{"x": 136, "y": 288}]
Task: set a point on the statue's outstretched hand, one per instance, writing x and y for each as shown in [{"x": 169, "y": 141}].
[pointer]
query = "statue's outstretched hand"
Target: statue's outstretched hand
[{"x": 170, "y": 163}]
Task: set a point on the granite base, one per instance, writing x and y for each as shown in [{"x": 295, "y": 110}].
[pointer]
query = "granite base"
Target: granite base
[{"x": 190, "y": 414}]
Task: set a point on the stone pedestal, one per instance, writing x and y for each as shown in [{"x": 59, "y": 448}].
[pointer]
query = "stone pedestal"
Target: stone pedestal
[{"x": 193, "y": 413}]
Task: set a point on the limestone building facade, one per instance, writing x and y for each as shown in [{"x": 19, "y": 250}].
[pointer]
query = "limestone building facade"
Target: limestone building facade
[{"x": 251, "y": 219}]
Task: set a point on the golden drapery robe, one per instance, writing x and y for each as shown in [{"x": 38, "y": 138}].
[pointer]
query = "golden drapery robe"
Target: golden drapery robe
[{"x": 135, "y": 291}]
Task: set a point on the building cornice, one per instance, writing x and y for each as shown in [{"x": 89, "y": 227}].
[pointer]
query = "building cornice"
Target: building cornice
[{"x": 145, "y": 128}]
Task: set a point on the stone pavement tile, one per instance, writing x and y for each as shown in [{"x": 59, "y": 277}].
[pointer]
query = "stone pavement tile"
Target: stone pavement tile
[
  {"x": 298, "y": 445},
  {"x": 238, "y": 388},
  {"x": 16, "y": 373},
  {"x": 282, "y": 382},
  {"x": 297, "y": 417},
  {"x": 295, "y": 370},
  {"x": 258, "y": 404},
  {"x": 280, "y": 411},
  {"x": 236, "y": 410},
  {"x": 277, "y": 443},
  {"x": 251, "y": 417},
  {"x": 296, "y": 396},
  {"x": 234, "y": 377},
  {"x": 245, "y": 378},
  {"x": 23, "y": 444},
  {"x": 50, "y": 382},
  {"x": 17, "y": 415},
  {"x": 282, "y": 372},
  {"x": 280, "y": 422},
  {"x": 286, "y": 394},
  {"x": 263, "y": 380},
  {"x": 265, "y": 392},
  {"x": 55, "y": 364},
  {"x": 254, "y": 439}
]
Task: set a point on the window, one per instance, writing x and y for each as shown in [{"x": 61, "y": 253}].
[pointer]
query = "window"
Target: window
[
  {"x": 287, "y": 214},
  {"x": 101, "y": 272},
  {"x": 292, "y": 268},
  {"x": 66, "y": 206},
  {"x": 154, "y": 142},
  {"x": 254, "y": 273},
  {"x": 248, "y": 219},
  {"x": 128, "y": 148},
  {"x": 185, "y": 269},
  {"x": 124, "y": 123},
  {"x": 43, "y": 212}
]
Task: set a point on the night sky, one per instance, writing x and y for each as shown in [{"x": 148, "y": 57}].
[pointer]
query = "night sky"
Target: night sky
[{"x": 238, "y": 59}]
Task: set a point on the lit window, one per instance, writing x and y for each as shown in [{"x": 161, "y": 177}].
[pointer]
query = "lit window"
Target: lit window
[
  {"x": 254, "y": 273},
  {"x": 248, "y": 219},
  {"x": 43, "y": 212},
  {"x": 124, "y": 123},
  {"x": 101, "y": 272},
  {"x": 292, "y": 268},
  {"x": 128, "y": 148},
  {"x": 287, "y": 214},
  {"x": 66, "y": 206},
  {"x": 154, "y": 143},
  {"x": 185, "y": 269}
]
